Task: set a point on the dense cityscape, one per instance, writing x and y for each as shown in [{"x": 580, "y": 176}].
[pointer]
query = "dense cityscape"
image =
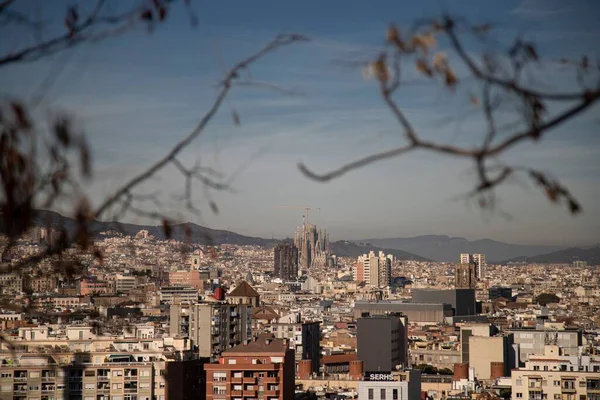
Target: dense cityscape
[
  {"x": 164, "y": 319},
  {"x": 299, "y": 200}
]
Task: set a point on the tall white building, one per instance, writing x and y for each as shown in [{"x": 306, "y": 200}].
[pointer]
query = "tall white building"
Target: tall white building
[
  {"x": 374, "y": 270},
  {"x": 478, "y": 260}
]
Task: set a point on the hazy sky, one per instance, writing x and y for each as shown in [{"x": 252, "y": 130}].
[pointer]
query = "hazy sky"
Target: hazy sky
[{"x": 136, "y": 94}]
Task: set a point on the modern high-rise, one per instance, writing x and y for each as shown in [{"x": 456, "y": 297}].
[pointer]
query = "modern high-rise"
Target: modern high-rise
[
  {"x": 478, "y": 260},
  {"x": 382, "y": 342},
  {"x": 285, "y": 262},
  {"x": 374, "y": 270},
  {"x": 216, "y": 327},
  {"x": 313, "y": 246}
]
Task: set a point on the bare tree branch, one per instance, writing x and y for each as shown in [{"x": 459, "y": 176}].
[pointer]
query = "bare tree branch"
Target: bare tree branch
[{"x": 417, "y": 45}]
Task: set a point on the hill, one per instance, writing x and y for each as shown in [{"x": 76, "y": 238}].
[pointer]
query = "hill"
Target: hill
[
  {"x": 446, "y": 248},
  {"x": 566, "y": 256},
  {"x": 198, "y": 234},
  {"x": 201, "y": 235},
  {"x": 344, "y": 248}
]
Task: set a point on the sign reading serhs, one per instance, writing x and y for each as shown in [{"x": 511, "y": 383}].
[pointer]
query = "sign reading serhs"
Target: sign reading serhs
[{"x": 379, "y": 376}]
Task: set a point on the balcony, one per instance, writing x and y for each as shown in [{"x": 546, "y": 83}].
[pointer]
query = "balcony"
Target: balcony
[
  {"x": 271, "y": 379},
  {"x": 249, "y": 379},
  {"x": 273, "y": 392},
  {"x": 249, "y": 393},
  {"x": 103, "y": 377},
  {"x": 237, "y": 379},
  {"x": 20, "y": 378},
  {"x": 236, "y": 393}
]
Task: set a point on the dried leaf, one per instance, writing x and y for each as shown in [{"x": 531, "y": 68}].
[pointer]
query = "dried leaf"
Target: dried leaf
[
  {"x": 422, "y": 67},
  {"x": 574, "y": 206},
  {"x": 551, "y": 193},
  {"x": 474, "y": 100},
  {"x": 380, "y": 69},
  {"x": 450, "y": 78},
  {"x": 481, "y": 28},
  {"x": 146, "y": 15},
  {"x": 439, "y": 62},
  {"x": 85, "y": 160},
  {"x": 21, "y": 116},
  {"x": 585, "y": 63},
  {"x": 167, "y": 229},
  {"x": 162, "y": 13},
  {"x": 62, "y": 129},
  {"x": 236, "y": 117},
  {"x": 393, "y": 34},
  {"x": 531, "y": 51}
]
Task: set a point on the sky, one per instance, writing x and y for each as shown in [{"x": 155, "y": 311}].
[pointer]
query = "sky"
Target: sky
[{"x": 136, "y": 94}]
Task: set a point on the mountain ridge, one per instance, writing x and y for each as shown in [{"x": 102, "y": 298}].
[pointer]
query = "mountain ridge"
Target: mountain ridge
[
  {"x": 203, "y": 235},
  {"x": 448, "y": 248}
]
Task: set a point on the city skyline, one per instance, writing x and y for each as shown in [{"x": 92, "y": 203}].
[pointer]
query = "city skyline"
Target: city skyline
[{"x": 339, "y": 117}]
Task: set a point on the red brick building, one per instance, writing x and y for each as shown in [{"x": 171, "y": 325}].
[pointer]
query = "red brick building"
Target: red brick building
[{"x": 260, "y": 368}]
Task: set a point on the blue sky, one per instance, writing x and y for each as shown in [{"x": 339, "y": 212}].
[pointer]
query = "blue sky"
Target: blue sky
[{"x": 135, "y": 95}]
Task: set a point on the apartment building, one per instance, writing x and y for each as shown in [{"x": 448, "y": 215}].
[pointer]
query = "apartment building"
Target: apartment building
[
  {"x": 303, "y": 337},
  {"x": 374, "y": 270},
  {"x": 532, "y": 341},
  {"x": 215, "y": 327},
  {"x": 259, "y": 368},
  {"x": 100, "y": 376},
  {"x": 555, "y": 376},
  {"x": 178, "y": 294}
]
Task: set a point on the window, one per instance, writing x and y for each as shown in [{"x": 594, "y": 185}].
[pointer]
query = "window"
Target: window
[
  {"x": 34, "y": 388},
  {"x": 519, "y": 395},
  {"x": 382, "y": 394},
  {"x": 370, "y": 394},
  {"x": 556, "y": 383},
  {"x": 117, "y": 386},
  {"x": 557, "y": 396},
  {"x": 117, "y": 372},
  {"x": 34, "y": 374},
  {"x": 519, "y": 382},
  {"x": 90, "y": 372},
  {"x": 90, "y": 386},
  {"x": 394, "y": 394}
]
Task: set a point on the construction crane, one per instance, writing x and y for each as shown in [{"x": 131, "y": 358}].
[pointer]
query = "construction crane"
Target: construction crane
[{"x": 306, "y": 210}]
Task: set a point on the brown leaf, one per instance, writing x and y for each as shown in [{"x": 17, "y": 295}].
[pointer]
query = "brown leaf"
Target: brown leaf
[
  {"x": 439, "y": 62},
  {"x": 62, "y": 132},
  {"x": 236, "y": 117},
  {"x": 474, "y": 100},
  {"x": 162, "y": 13},
  {"x": 146, "y": 15},
  {"x": 393, "y": 34},
  {"x": 167, "y": 229},
  {"x": 574, "y": 206},
  {"x": 585, "y": 63},
  {"x": 380, "y": 69},
  {"x": 21, "y": 116},
  {"x": 481, "y": 28},
  {"x": 531, "y": 51},
  {"x": 85, "y": 160},
  {"x": 551, "y": 193},
  {"x": 422, "y": 67},
  {"x": 450, "y": 78}
]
